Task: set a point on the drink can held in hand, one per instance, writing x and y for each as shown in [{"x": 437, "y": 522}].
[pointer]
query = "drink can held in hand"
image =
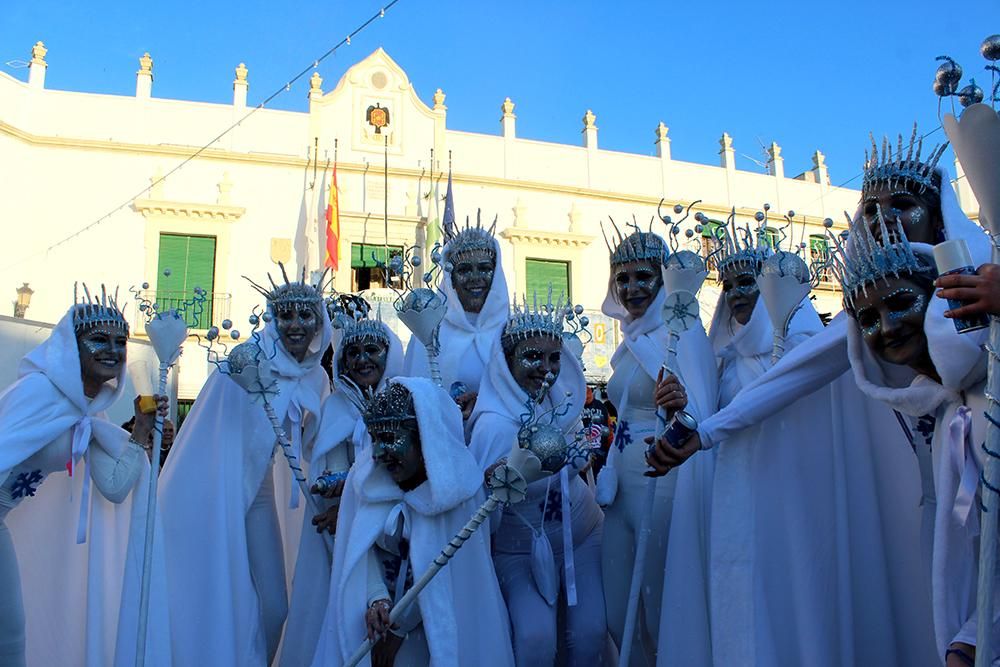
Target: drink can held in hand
[
  {"x": 953, "y": 258},
  {"x": 327, "y": 481},
  {"x": 680, "y": 428},
  {"x": 457, "y": 389}
]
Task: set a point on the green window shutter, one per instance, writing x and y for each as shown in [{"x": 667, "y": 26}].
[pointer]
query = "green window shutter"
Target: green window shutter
[
  {"x": 771, "y": 237},
  {"x": 361, "y": 255},
  {"x": 191, "y": 261},
  {"x": 713, "y": 230},
  {"x": 540, "y": 273}
]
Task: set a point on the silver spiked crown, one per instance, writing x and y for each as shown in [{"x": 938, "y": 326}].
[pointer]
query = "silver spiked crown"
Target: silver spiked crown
[
  {"x": 97, "y": 310},
  {"x": 292, "y": 293},
  {"x": 739, "y": 248},
  {"x": 860, "y": 260},
  {"x": 638, "y": 246},
  {"x": 361, "y": 329},
  {"x": 391, "y": 408},
  {"x": 464, "y": 242},
  {"x": 898, "y": 169},
  {"x": 525, "y": 321}
]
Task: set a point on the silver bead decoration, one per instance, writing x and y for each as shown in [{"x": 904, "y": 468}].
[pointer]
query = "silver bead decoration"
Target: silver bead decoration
[
  {"x": 971, "y": 94},
  {"x": 234, "y": 334},
  {"x": 212, "y": 333},
  {"x": 990, "y": 48},
  {"x": 227, "y": 324},
  {"x": 145, "y": 286},
  {"x": 167, "y": 272},
  {"x": 678, "y": 209}
]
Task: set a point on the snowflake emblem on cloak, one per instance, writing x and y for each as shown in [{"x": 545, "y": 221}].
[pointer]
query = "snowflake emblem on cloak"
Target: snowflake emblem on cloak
[
  {"x": 680, "y": 311},
  {"x": 26, "y": 484},
  {"x": 551, "y": 507},
  {"x": 925, "y": 425},
  {"x": 623, "y": 437}
]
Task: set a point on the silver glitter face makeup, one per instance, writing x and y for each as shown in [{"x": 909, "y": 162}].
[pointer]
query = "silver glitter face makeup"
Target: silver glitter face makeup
[
  {"x": 297, "y": 325},
  {"x": 636, "y": 285},
  {"x": 740, "y": 290},
  {"x": 102, "y": 352},
  {"x": 364, "y": 363},
  {"x": 890, "y": 315},
  {"x": 472, "y": 277},
  {"x": 532, "y": 360},
  {"x": 910, "y": 209},
  {"x": 392, "y": 423}
]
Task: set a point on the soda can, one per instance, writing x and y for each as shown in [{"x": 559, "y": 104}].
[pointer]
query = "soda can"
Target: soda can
[
  {"x": 680, "y": 428},
  {"x": 327, "y": 481},
  {"x": 953, "y": 258}
]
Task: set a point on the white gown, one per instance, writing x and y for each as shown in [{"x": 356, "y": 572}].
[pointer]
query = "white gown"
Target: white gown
[
  {"x": 463, "y": 618},
  {"x": 80, "y": 598},
  {"x": 223, "y": 467}
]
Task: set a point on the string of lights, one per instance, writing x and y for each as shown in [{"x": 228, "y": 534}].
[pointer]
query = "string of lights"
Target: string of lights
[{"x": 346, "y": 41}]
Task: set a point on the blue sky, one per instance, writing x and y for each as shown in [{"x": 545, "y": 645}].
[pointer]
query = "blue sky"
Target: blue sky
[{"x": 805, "y": 74}]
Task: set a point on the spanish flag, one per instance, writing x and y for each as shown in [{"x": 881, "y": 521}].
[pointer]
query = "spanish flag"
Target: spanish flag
[{"x": 333, "y": 225}]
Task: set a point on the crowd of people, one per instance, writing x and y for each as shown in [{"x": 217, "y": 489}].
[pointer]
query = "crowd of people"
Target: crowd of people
[{"x": 825, "y": 510}]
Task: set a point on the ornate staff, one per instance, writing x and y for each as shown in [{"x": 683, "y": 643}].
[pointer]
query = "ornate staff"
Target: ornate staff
[
  {"x": 421, "y": 309},
  {"x": 541, "y": 450},
  {"x": 167, "y": 332},
  {"x": 975, "y": 139}
]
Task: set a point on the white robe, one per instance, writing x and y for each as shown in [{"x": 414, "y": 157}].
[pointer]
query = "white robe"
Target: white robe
[
  {"x": 636, "y": 363},
  {"x": 341, "y": 426},
  {"x": 463, "y": 617},
  {"x": 957, "y": 405},
  {"x": 81, "y": 601},
  {"x": 466, "y": 339},
  {"x": 213, "y": 474}
]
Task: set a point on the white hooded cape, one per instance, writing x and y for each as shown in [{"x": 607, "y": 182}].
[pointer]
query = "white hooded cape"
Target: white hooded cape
[
  {"x": 81, "y": 601},
  {"x": 465, "y": 339},
  {"x": 824, "y": 357},
  {"x": 213, "y": 474},
  {"x": 957, "y": 405},
  {"x": 463, "y": 614},
  {"x": 342, "y": 425}
]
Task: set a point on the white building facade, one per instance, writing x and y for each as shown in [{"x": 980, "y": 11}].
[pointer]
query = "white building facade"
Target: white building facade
[{"x": 253, "y": 197}]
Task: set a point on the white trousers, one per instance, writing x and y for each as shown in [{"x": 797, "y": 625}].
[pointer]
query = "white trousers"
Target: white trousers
[
  {"x": 267, "y": 563},
  {"x": 621, "y": 528}
]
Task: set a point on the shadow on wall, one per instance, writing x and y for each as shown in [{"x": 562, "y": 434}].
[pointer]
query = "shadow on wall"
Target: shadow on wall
[{"x": 18, "y": 337}]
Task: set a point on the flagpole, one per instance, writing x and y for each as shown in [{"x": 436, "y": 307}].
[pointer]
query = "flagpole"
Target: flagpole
[{"x": 385, "y": 203}]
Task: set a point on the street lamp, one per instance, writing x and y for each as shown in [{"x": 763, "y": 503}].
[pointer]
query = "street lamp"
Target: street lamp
[{"x": 23, "y": 300}]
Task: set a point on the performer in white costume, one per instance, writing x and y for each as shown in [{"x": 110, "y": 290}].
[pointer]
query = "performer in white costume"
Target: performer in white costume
[
  {"x": 635, "y": 298},
  {"x": 477, "y": 301},
  {"x": 402, "y": 503},
  {"x": 75, "y": 598},
  {"x": 929, "y": 212},
  {"x": 233, "y": 523},
  {"x": 540, "y": 578},
  {"x": 905, "y": 353},
  {"x": 368, "y": 355}
]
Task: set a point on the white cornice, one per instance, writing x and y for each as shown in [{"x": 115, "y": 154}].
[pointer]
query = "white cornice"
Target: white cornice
[
  {"x": 518, "y": 235},
  {"x": 189, "y": 210}
]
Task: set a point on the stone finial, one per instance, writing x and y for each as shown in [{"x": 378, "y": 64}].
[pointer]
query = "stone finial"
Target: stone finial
[
  {"x": 507, "y": 108},
  {"x": 38, "y": 52},
  {"x": 439, "y": 100},
  {"x": 727, "y": 155},
  {"x": 241, "y": 73},
  {"x": 240, "y": 86},
  {"x": 590, "y": 130},
  {"x": 775, "y": 163},
  {"x": 145, "y": 64},
  {"x": 37, "y": 66},
  {"x": 589, "y": 120},
  {"x": 820, "y": 172},
  {"x": 316, "y": 83},
  {"x": 819, "y": 160},
  {"x": 662, "y": 141}
]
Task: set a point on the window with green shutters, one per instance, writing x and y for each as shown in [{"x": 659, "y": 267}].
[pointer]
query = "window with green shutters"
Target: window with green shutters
[
  {"x": 540, "y": 273},
  {"x": 819, "y": 253},
  {"x": 365, "y": 261},
  {"x": 770, "y": 236},
  {"x": 190, "y": 262}
]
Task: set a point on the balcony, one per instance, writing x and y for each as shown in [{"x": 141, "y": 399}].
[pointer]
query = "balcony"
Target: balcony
[{"x": 214, "y": 310}]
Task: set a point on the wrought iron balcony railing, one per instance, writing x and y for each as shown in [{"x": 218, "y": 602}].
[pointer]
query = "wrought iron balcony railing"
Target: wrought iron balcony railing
[{"x": 215, "y": 309}]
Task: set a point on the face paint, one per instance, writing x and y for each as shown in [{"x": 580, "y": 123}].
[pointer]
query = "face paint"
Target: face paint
[
  {"x": 739, "y": 287},
  {"x": 910, "y": 209},
  {"x": 363, "y": 363},
  {"x": 297, "y": 325},
  {"x": 890, "y": 316},
  {"x": 532, "y": 359},
  {"x": 102, "y": 354},
  {"x": 472, "y": 277},
  {"x": 636, "y": 285},
  {"x": 398, "y": 450}
]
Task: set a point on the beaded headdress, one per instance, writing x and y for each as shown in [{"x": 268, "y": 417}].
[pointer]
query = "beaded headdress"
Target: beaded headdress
[
  {"x": 357, "y": 328},
  {"x": 860, "y": 259},
  {"x": 391, "y": 409},
  {"x": 637, "y": 246},
  {"x": 525, "y": 321},
  {"x": 464, "y": 242},
  {"x": 94, "y": 311},
  {"x": 898, "y": 169},
  {"x": 739, "y": 248},
  {"x": 292, "y": 294}
]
